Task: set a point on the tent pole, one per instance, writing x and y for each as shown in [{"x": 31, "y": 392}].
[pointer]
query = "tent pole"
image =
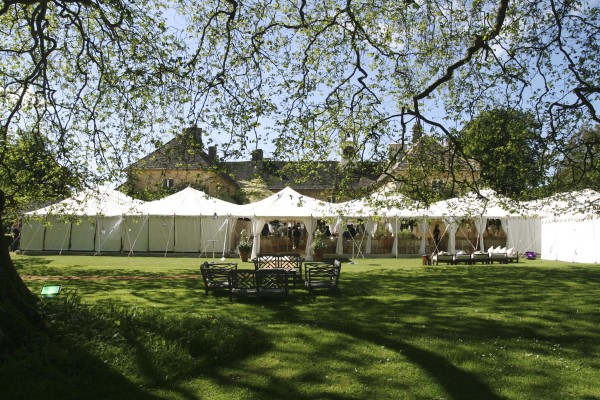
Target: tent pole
[
  {"x": 225, "y": 241},
  {"x": 170, "y": 231},
  {"x": 396, "y": 234},
  {"x": 67, "y": 232}
]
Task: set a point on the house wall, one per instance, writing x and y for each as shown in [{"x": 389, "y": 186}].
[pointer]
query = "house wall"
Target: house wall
[{"x": 214, "y": 184}]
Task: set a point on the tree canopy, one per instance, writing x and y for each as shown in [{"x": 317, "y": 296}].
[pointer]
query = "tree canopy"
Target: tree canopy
[
  {"x": 582, "y": 166},
  {"x": 508, "y": 148},
  {"x": 37, "y": 179},
  {"x": 107, "y": 80},
  {"x": 324, "y": 71}
]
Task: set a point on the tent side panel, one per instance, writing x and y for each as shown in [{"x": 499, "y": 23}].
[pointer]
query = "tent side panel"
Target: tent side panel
[
  {"x": 571, "y": 240},
  {"x": 108, "y": 234},
  {"x": 82, "y": 235},
  {"x": 525, "y": 234},
  {"x": 134, "y": 231},
  {"x": 214, "y": 233},
  {"x": 32, "y": 235},
  {"x": 160, "y": 233},
  {"x": 58, "y": 234},
  {"x": 187, "y": 234}
]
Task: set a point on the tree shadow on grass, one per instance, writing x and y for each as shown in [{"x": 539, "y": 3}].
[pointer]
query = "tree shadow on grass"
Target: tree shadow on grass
[
  {"x": 64, "y": 372},
  {"x": 530, "y": 309},
  {"x": 448, "y": 305},
  {"x": 33, "y": 264},
  {"x": 114, "y": 352}
]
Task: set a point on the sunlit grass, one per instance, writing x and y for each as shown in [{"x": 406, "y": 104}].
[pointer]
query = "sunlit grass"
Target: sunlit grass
[{"x": 397, "y": 330}]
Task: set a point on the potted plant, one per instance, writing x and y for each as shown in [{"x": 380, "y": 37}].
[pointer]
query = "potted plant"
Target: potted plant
[
  {"x": 405, "y": 234},
  {"x": 244, "y": 245},
  {"x": 318, "y": 246}
]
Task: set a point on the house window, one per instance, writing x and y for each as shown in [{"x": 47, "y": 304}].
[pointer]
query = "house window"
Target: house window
[
  {"x": 437, "y": 185},
  {"x": 168, "y": 183}
]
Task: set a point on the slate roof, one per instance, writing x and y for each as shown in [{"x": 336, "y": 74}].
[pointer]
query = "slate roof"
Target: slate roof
[{"x": 186, "y": 151}]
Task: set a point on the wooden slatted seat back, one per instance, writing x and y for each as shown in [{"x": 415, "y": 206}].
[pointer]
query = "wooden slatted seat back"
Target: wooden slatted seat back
[{"x": 216, "y": 275}]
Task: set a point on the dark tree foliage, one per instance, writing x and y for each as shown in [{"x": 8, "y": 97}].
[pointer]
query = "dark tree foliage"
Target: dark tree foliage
[
  {"x": 507, "y": 145},
  {"x": 37, "y": 178},
  {"x": 82, "y": 83},
  {"x": 580, "y": 164}
]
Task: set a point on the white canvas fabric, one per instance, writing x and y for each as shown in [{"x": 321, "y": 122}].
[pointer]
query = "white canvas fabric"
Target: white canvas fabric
[
  {"x": 32, "y": 234},
  {"x": 108, "y": 233},
  {"x": 568, "y": 224},
  {"x": 81, "y": 211},
  {"x": 134, "y": 233},
  {"x": 480, "y": 224},
  {"x": 92, "y": 202},
  {"x": 310, "y": 224},
  {"x": 257, "y": 224},
  {"x": 216, "y": 234},
  {"x": 58, "y": 234},
  {"x": 524, "y": 234},
  {"x": 286, "y": 203},
  {"x": 197, "y": 221},
  {"x": 83, "y": 234},
  {"x": 571, "y": 239},
  {"x": 189, "y": 202},
  {"x": 561, "y": 227},
  {"x": 188, "y": 231},
  {"x": 161, "y": 235}
]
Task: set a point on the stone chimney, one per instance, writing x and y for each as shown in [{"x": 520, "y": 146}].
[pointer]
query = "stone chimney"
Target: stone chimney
[
  {"x": 257, "y": 155},
  {"x": 212, "y": 153},
  {"x": 347, "y": 150},
  {"x": 195, "y": 133},
  {"x": 396, "y": 151},
  {"x": 417, "y": 132}
]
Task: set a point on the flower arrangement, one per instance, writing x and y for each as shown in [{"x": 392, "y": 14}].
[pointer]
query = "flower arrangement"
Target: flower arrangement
[
  {"x": 318, "y": 246},
  {"x": 380, "y": 231},
  {"x": 245, "y": 244},
  {"x": 405, "y": 234},
  {"x": 318, "y": 242}
]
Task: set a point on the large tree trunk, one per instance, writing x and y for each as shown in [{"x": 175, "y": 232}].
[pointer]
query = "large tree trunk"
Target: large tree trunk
[{"x": 19, "y": 316}]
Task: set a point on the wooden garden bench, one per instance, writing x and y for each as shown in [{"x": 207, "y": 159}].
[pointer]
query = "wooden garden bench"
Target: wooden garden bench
[
  {"x": 463, "y": 258},
  {"x": 242, "y": 283},
  {"x": 502, "y": 258},
  {"x": 322, "y": 275},
  {"x": 267, "y": 282},
  {"x": 483, "y": 258},
  {"x": 444, "y": 258},
  {"x": 292, "y": 263},
  {"x": 272, "y": 282},
  {"x": 216, "y": 275}
]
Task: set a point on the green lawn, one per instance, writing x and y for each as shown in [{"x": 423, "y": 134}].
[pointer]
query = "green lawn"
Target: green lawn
[{"x": 397, "y": 330}]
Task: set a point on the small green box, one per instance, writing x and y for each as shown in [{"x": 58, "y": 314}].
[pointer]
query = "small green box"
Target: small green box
[{"x": 50, "y": 291}]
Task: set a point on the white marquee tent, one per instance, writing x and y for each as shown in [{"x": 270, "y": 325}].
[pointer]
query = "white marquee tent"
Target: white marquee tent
[
  {"x": 523, "y": 230},
  {"x": 88, "y": 221},
  {"x": 286, "y": 203},
  {"x": 571, "y": 227},
  {"x": 187, "y": 221},
  {"x": 380, "y": 208},
  {"x": 191, "y": 221}
]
